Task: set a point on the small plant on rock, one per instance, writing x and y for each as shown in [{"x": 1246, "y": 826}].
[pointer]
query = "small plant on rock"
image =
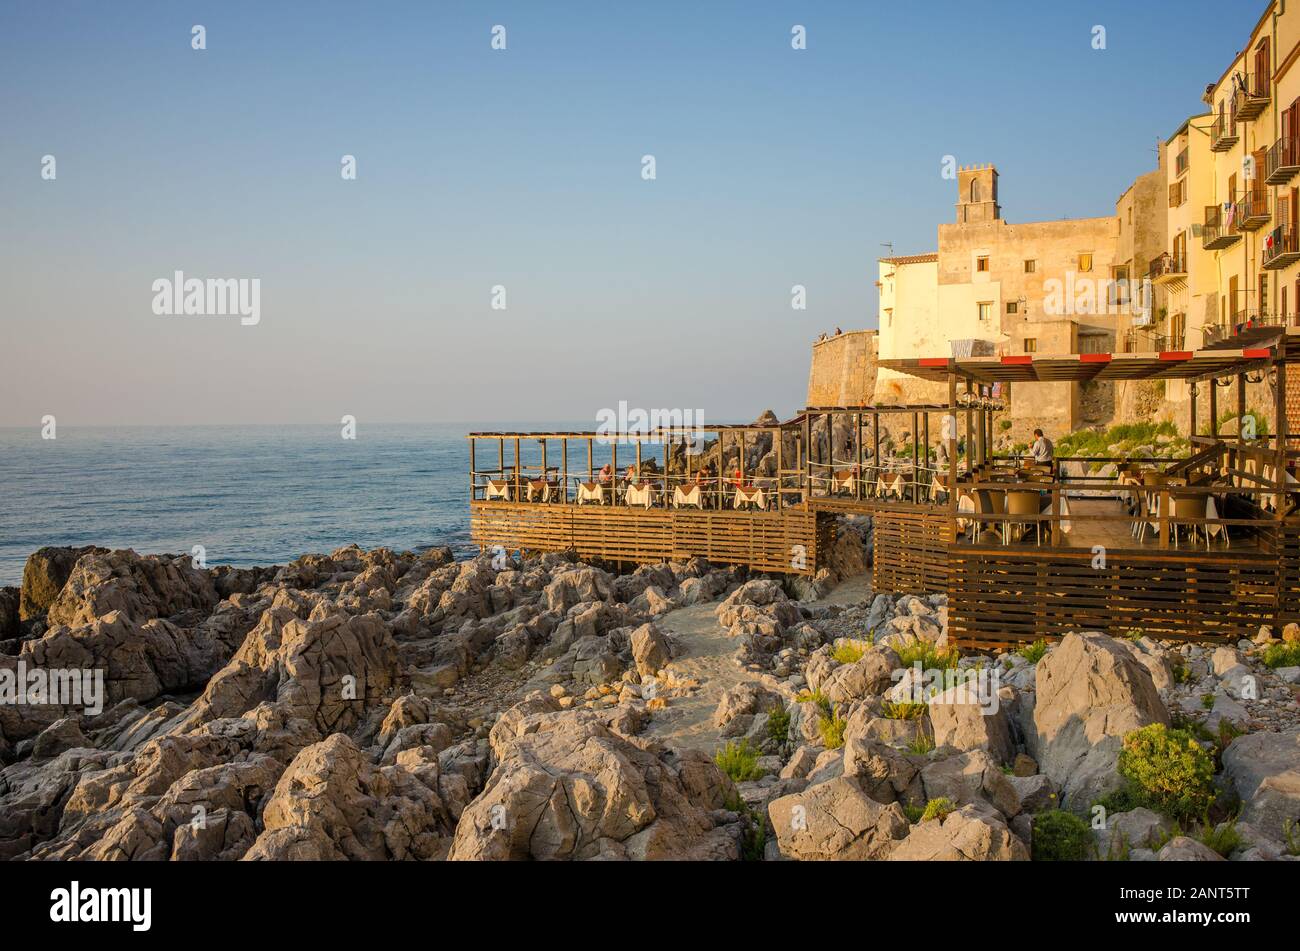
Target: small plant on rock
[
  {"x": 1169, "y": 770},
  {"x": 1291, "y": 835},
  {"x": 739, "y": 760},
  {"x": 1223, "y": 838},
  {"x": 923, "y": 744},
  {"x": 847, "y": 652},
  {"x": 928, "y": 654},
  {"x": 913, "y": 812},
  {"x": 902, "y": 710},
  {"x": 815, "y": 696},
  {"x": 937, "y": 809},
  {"x": 831, "y": 728},
  {"x": 1061, "y": 836},
  {"x": 778, "y": 725},
  {"x": 1034, "y": 652}
]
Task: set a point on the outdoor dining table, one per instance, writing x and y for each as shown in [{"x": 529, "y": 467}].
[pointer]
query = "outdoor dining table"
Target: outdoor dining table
[
  {"x": 966, "y": 504},
  {"x": 691, "y": 496},
  {"x": 891, "y": 483},
  {"x": 750, "y": 496},
  {"x": 842, "y": 481},
  {"x": 542, "y": 488},
  {"x": 639, "y": 494},
  {"x": 591, "y": 492},
  {"x": 497, "y": 489}
]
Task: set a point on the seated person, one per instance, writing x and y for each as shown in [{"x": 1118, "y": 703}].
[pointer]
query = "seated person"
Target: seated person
[
  {"x": 1042, "y": 448},
  {"x": 605, "y": 474},
  {"x": 630, "y": 475}
]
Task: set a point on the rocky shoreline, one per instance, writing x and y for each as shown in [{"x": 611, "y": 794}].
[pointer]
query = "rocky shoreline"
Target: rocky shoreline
[{"x": 375, "y": 705}]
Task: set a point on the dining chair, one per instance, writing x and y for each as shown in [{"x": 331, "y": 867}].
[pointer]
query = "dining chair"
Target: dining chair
[{"x": 1023, "y": 502}]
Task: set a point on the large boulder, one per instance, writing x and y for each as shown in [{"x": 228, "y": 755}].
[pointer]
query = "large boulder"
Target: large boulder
[
  {"x": 870, "y": 675},
  {"x": 1091, "y": 691},
  {"x": 651, "y": 649},
  {"x": 332, "y": 803},
  {"x": 1265, "y": 770},
  {"x": 566, "y": 786},
  {"x": 968, "y": 834},
  {"x": 836, "y": 820},
  {"x": 142, "y": 587},
  {"x": 966, "y": 718},
  {"x": 46, "y": 572}
]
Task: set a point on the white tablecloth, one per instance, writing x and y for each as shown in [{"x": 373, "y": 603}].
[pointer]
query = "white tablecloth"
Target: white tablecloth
[
  {"x": 691, "y": 496},
  {"x": 745, "y": 496},
  {"x": 540, "y": 489},
  {"x": 640, "y": 495},
  {"x": 591, "y": 492},
  {"x": 892, "y": 483},
  {"x": 842, "y": 481},
  {"x": 496, "y": 490}
]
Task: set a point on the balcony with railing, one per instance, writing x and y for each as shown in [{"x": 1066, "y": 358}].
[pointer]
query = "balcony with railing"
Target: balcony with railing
[
  {"x": 1220, "y": 229},
  {"x": 1252, "y": 209},
  {"x": 1250, "y": 95},
  {"x": 1224, "y": 134},
  {"x": 1281, "y": 248},
  {"x": 1168, "y": 268},
  {"x": 1282, "y": 161}
]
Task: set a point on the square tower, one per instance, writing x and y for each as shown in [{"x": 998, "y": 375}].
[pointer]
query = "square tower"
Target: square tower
[{"x": 977, "y": 194}]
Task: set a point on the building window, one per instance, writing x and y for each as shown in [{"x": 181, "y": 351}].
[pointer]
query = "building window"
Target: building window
[
  {"x": 1263, "y": 296},
  {"x": 1085, "y": 263},
  {"x": 1013, "y": 307},
  {"x": 985, "y": 310},
  {"x": 982, "y": 263},
  {"x": 1031, "y": 266},
  {"x": 1031, "y": 345}
]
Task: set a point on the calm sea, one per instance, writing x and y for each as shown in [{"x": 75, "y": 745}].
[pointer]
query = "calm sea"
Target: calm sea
[{"x": 250, "y": 495}]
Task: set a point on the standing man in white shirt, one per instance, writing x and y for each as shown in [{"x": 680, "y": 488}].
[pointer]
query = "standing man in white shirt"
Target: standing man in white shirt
[{"x": 1042, "y": 449}]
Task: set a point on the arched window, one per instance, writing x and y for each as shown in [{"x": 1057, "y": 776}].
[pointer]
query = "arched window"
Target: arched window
[{"x": 975, "y": 190}]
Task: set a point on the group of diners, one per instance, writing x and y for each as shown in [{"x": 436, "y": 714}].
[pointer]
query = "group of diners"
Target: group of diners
[{"x": 646, "y": 487}]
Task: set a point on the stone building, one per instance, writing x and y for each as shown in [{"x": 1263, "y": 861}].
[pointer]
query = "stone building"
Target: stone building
[{"x": 997, "y": 287}]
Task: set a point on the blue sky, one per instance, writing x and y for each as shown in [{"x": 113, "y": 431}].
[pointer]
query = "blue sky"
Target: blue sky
[{"x": 522, "y": 168}]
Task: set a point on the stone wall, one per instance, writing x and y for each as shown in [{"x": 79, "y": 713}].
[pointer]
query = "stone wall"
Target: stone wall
[{"x": 843, "y": 369}]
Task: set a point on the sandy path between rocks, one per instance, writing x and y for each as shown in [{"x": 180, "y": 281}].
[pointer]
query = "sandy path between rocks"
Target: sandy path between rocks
[{"x": 706, "y": 669}]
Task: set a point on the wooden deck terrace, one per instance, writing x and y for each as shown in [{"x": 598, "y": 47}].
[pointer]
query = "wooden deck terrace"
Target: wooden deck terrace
[{"x": 1206, "y": 547}]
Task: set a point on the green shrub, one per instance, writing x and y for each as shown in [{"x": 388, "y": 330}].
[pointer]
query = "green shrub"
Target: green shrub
[
  {"x": 1004, "y": 425},
  {"x": 1169, "y": 769},
  {"x": 1061, "y": 837},
  {"x": 778, "y": 725},
  {"x": 1284, "y": 654},
  {"x": 913, "y": 812},
  {"x": 831, "y": 728},
  {"x": 902, "y": 710},
  {"x": 1223, "y": 838},
  {"x": 1034, "y": 652},
  {"x": 847, "y": 652},
  {"x": 739, "y": 761},
  {"x": 937, "y": 809}
]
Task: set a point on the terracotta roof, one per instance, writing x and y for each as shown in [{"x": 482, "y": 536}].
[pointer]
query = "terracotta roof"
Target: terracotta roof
[{"x": 912, "y": 258}]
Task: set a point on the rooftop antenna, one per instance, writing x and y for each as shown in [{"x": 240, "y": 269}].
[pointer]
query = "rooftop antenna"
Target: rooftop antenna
[{"x": 890, "y": 245}]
